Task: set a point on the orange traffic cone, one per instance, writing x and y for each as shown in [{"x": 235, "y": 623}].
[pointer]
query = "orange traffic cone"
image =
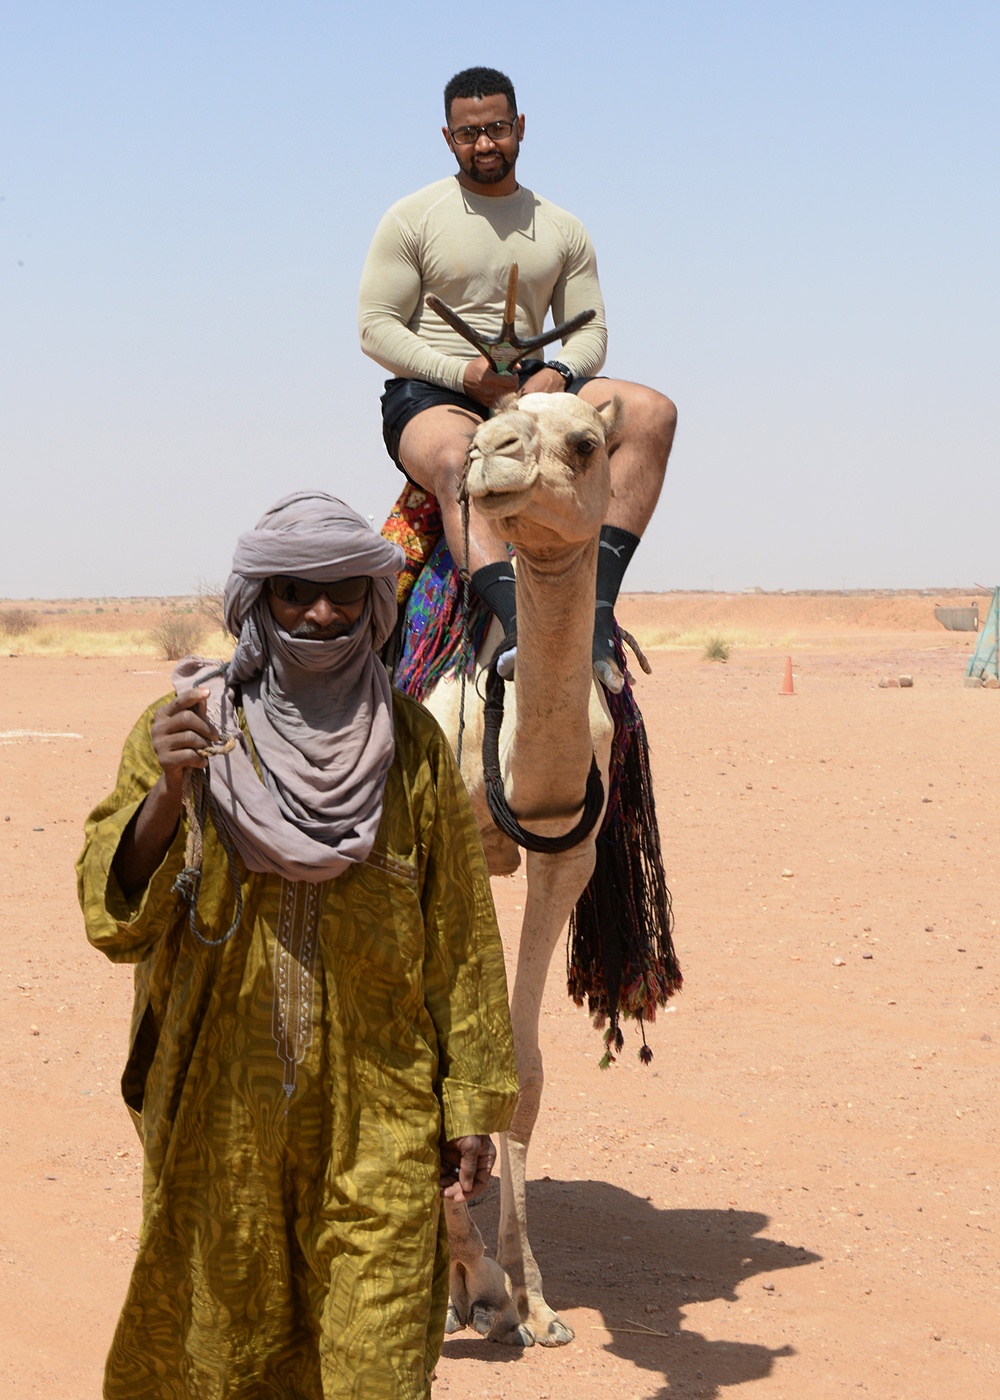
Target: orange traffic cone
[{"x": 787, "y": 688}]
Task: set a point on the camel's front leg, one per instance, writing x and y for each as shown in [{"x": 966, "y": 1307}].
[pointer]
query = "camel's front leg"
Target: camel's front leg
[
  {"x": 554, "y": 885},
  {"x": 479, "y": 1292}
]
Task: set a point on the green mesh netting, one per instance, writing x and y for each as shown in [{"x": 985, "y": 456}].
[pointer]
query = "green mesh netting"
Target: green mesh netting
[{"x": 983, "y": 661}]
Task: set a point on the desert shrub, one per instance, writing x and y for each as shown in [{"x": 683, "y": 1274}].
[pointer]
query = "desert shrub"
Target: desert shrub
[
  {"x": 16, "y": 621},
  {"x": 717, "y": 649},
  {"x": 209, "y": 603},
  {"x": 177, "y": 635}
]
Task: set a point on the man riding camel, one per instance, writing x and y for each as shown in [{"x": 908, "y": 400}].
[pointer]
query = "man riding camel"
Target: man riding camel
[{"x": 457, "y": 239}]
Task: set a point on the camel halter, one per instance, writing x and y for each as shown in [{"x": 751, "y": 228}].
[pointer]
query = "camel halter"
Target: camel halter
[{"x": 496, "y": 799}]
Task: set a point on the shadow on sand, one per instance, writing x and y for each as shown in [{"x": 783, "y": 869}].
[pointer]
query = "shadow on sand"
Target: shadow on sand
[{"x": 597, "y": 1243}]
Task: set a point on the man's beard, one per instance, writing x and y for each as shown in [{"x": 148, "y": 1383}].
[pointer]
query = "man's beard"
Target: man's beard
[{"x": 489, "y": 177}]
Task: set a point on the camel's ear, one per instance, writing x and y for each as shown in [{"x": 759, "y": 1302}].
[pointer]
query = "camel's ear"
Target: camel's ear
[
  {"x": 613, "y": 417},
  {"x": 507, "y": 404}
]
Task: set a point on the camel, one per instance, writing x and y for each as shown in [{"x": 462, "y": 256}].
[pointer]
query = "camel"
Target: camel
[{"x": 539, "y": 474}]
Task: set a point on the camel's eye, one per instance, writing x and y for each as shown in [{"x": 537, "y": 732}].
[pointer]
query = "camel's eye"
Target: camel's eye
[{"x": 583, "y": 445}]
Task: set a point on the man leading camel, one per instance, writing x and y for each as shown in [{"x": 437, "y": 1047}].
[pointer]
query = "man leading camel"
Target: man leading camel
[
  {"x": 457, "y": 238},
  {"x": 320, "y": 1040}
]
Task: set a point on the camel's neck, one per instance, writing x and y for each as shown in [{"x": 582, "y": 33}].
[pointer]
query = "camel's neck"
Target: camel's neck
[{"x": 552, "y": 745}]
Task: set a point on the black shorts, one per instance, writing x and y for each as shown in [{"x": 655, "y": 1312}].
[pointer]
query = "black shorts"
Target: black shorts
[{"x": 405, "y": 398}]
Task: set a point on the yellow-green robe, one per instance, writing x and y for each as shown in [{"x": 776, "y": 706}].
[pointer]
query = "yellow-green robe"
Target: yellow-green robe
[{"x": 291, "y": 1088}]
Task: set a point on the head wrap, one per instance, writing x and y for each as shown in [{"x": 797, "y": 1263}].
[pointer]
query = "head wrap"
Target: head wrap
[
  {"x": 319, "y": 710},
  {"x": 312, "y": 535}
]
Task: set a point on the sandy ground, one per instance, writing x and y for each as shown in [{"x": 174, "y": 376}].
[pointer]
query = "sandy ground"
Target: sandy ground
[{"x": 797, "y": 1199}]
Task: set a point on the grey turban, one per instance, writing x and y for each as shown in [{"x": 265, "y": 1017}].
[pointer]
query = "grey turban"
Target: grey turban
[
  {"x": 314, "y": 536},
  {"x": 319, "y": 710}
]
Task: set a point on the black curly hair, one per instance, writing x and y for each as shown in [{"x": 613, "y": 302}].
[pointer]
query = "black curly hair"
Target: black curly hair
[{"x": 479, "y": 82}]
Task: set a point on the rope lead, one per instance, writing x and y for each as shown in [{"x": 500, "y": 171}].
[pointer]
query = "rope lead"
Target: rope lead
[{"x": 198, "y": 805}]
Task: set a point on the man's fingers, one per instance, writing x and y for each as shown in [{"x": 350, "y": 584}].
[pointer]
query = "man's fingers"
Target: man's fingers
[
  {"x": 185, "y": 700},
  {"x": 478, "y": 1156},
  {"x": 185, "y": 716},
  {"x": 177, "y": 741},
  {"x": 468, "y": 1167},
  {"x": 181, "y": 730},
  {"x": 466, "y": 1164},
  {"x": 186, "y": 748}
]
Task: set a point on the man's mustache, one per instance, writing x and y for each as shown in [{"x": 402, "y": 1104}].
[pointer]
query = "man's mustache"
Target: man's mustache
[{"x": 313, "y": 629}]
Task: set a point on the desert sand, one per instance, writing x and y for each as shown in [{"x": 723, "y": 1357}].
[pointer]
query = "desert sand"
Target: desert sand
[{"x": 797, "y": 1199}]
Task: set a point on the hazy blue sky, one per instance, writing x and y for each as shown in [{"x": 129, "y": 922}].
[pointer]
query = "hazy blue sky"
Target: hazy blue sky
[{"x": 795, "y": 208}]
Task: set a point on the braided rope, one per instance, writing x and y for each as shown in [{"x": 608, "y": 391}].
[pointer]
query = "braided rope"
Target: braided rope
[
  {"x": 465, "y": 576},
  {"x": 496, "y": 800},
  {"x": 198, "y": 804}
]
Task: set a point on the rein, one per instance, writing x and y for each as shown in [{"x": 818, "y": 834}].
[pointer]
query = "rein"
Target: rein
[
  {"x": 466, "y": 579},
  {"x": 496, "y": 800},
  {"x": 198, "y": 803}
]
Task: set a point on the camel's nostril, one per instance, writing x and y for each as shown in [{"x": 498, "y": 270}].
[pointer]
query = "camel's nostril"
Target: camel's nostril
[{"x": 506, "y": 447}]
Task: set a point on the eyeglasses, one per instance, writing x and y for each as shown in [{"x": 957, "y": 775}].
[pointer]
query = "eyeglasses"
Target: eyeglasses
[
  {"x": 469, "y": 135},
  {"x": 303, "y": 592}
]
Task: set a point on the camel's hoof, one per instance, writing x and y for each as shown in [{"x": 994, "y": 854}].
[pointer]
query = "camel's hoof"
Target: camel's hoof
[
  {"x": 452, "y": 1321},
  {"x": 511, "y": 1334},
  {"x": 557, "y": 1334},
  {"x": 482, "y": 1318}
]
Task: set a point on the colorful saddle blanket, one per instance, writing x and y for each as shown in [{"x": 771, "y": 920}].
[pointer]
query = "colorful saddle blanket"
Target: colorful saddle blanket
[{"x": 434, "y": 633}]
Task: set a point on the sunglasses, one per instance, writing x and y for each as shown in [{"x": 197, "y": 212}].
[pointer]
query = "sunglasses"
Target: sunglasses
[
  {"x": 469, "y": 135},
  {"x": 303, "y": 592}
]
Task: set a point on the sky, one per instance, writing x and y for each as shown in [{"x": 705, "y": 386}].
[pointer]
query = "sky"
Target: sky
[{"x": 796, "y": 212}]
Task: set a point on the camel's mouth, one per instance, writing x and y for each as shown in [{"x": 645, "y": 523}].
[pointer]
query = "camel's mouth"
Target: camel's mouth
[{"x": 495, "y": 503}]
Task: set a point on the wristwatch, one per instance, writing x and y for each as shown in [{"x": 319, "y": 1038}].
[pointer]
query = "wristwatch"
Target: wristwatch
[{"x": 562, "y": 369}]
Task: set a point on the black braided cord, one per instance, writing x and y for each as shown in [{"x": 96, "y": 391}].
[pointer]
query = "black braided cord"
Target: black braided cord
[{"x": 495, "y": 798}]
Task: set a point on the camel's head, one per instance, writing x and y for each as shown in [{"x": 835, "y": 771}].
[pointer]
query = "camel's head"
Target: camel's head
[{"x": 539, "y": 469}]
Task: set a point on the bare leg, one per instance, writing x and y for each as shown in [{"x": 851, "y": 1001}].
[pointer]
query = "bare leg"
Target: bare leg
[
  {"x": 638, "y": 465},
  {"x": 432, "y": 448},
  {"x": 639, "y": 462}
]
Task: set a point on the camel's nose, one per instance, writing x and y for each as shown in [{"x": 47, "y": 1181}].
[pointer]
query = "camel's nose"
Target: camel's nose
[{"x": 500, "y": 461}]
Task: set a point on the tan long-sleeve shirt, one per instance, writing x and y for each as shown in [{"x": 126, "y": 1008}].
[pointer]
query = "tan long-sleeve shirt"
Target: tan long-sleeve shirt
[{"x": 460, "y": 246}]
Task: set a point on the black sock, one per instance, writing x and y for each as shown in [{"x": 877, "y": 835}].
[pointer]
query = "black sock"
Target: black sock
[
  {"x": 613, "y": 558},
  {"x": 494, "y": 584}
]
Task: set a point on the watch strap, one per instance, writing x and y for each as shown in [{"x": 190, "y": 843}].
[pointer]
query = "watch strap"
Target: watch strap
[{"x": 560, "y": 368}]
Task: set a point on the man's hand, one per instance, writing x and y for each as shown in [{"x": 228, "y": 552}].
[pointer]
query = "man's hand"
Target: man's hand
[
  {"x": 484, "y": 385},
  {"x": 180, "y": 730},
  {"x": 466, "y": 1163},
  {"x": 546, "y": 381}
]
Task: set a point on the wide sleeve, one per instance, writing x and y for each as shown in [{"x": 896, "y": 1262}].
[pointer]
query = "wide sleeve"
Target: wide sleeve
[
  {"x": 576, "y": 290},
  {"x": 391, "y": 287},
  {"x": 465, "y": 986},
  {"x": 125, "y": 929}
]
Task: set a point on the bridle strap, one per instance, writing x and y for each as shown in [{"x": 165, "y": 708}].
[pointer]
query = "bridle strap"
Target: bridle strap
[{"x": 496, "y": 800}]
